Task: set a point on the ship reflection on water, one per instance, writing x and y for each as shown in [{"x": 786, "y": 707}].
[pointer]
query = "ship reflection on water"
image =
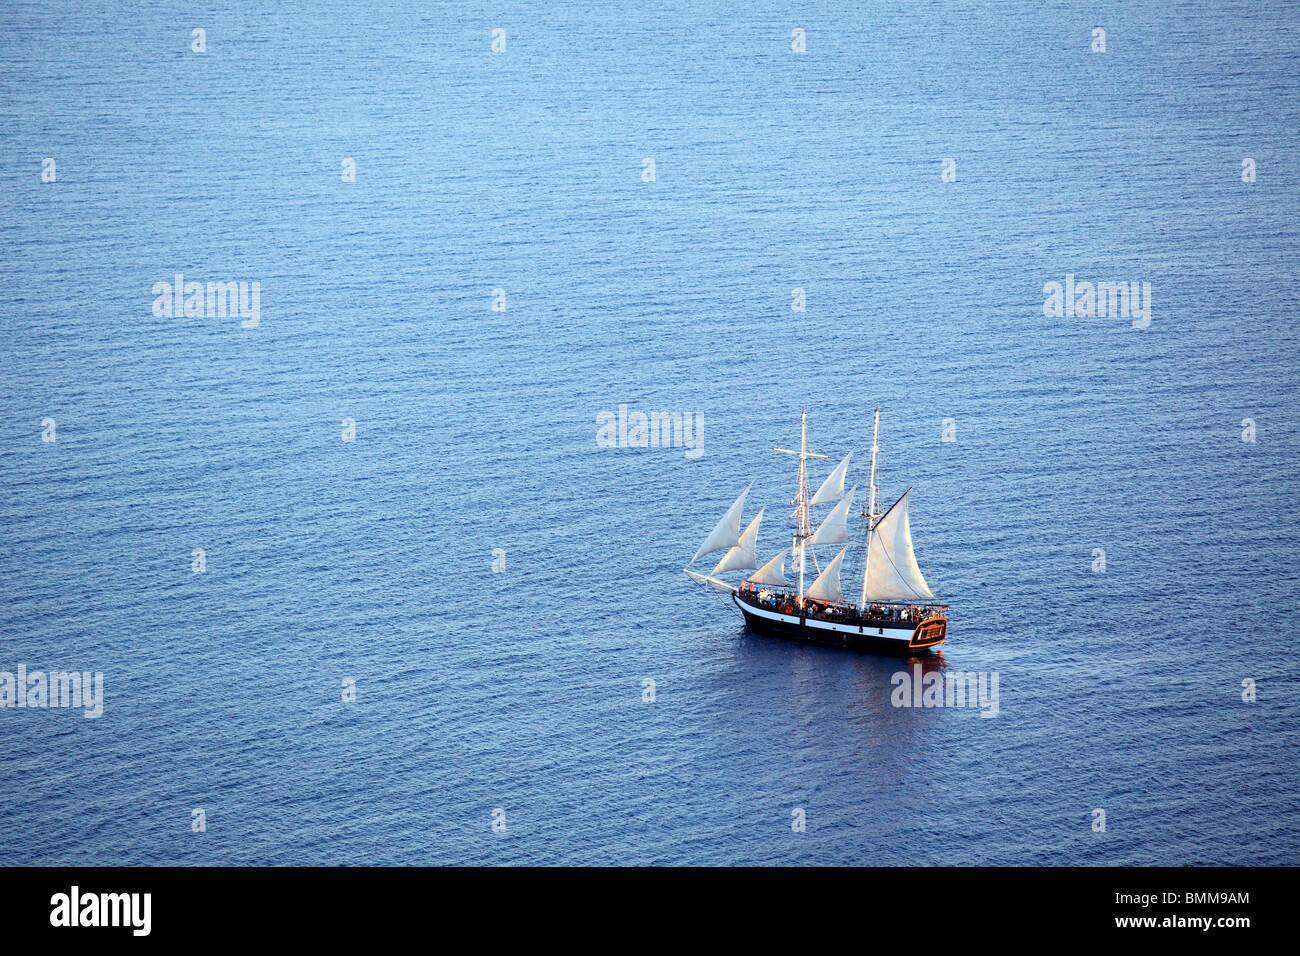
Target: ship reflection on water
[
  {"x": 797, "y": 721},
  {"x": 883, "y": 681}
]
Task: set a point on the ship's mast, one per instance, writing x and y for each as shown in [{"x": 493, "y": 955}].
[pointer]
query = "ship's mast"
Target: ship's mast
[
  {"x": 801, "y": 497},
  {"x": 870, "y": 513},
  {"x": 803, "y": 529}
]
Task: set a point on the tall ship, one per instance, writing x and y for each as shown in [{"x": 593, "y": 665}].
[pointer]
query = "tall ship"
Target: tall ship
[{"x": 894, "y": 610}]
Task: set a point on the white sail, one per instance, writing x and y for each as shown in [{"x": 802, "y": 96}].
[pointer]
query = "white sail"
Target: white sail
[
  {"x": 726, "y": 534},
  {"x": 892, "y": 571},
  {"x": 743, "y": 556},
  {"x": 827, "y": 585},
  {"x": 832, "y": 488},
  {"x": 772, "y": 573},
  {"x": 835, "y": 529}
]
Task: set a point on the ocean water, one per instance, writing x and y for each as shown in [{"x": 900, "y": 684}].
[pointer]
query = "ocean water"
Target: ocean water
[{"x": 475, "y": 429}]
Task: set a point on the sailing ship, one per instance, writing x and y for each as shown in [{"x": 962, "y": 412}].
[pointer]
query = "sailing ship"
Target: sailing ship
[{"x": 895, "y": 610}]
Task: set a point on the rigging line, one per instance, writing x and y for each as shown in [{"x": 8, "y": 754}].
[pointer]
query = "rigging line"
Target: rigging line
[
  {"x": 814, "y": 554},
  {"x": 812, "y": 547},
  {"x": 929, "y": 574},
  {"x": 899, "y": 574},
  {"x": 865, "y": 541}
]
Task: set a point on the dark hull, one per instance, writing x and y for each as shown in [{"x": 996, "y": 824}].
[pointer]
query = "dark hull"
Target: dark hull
[{"x": 899, "y": 643}]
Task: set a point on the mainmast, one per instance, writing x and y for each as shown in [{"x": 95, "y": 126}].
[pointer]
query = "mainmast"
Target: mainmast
[
  {"x": 870, "y": 513},
  {"x": 803, "y": 526}
]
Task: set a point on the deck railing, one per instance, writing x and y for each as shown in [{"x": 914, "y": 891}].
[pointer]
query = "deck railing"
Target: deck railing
[{"x": 785, "y": 600}]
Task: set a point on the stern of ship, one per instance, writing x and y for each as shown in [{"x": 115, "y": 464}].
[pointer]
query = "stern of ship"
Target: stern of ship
[{"x": 929, "y": 633}]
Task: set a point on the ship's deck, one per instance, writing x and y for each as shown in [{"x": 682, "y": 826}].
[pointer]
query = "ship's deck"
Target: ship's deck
[{"x": 895, "y": 614}]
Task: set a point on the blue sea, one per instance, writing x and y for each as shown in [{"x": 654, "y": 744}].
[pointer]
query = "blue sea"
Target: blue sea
[{"x": 182, "y": 511}]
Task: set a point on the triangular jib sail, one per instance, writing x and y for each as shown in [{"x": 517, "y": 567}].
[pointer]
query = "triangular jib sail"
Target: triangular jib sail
[
  {"x": 827, "y": 585},
  {"x": 742, "y": 557},
  {"x": 832, "y": 488},
  {"x": 892, "y": 573},
  {"x": 772, "y": 573},
  {"x": 835, "y": 529},
  {"x": 727, "y": 532}
]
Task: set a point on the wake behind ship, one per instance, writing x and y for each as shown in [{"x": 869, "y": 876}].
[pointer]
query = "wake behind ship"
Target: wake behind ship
[{"x": 895, "y": 611}]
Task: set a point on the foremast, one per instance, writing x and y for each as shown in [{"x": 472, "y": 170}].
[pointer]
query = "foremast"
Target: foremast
[
  {"x": 870, "y": 513},
  {"x": 803, "y": 524}
]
